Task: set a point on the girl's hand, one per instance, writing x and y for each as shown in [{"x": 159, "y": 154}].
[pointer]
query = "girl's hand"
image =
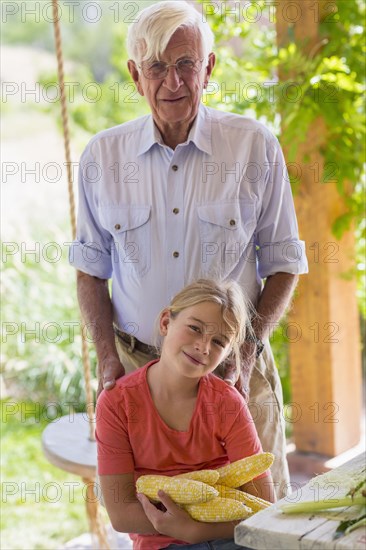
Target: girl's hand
[{"x": 173, "y": 522}]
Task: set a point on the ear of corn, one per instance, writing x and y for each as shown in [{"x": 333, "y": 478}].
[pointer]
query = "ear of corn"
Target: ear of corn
[
  {"x": 255, "y": 503},
  {"x": 215, "y": 499},
  {"x": 182, "y": 491},
  {"x": 206, "y": 476},
  {"x": 218, "y": 509},
  {"x": 240, "y": 472}
]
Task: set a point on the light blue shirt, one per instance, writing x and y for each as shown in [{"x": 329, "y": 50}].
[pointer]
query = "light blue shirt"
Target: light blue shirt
[{"x": 155, "y": 219}]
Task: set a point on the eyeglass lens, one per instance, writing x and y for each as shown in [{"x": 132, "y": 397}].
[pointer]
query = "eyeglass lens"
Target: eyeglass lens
[{"x": 159, "y": 69}]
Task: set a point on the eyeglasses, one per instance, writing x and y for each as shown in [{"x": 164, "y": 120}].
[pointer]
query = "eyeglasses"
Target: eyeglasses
[{"x": 159, "y": 69}]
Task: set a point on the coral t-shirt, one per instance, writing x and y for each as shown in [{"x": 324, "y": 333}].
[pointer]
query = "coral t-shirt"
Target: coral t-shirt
[{"x": 133, "y": 438}]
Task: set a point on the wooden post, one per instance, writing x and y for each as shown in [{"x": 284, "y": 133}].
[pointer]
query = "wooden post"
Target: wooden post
[{"x": 325, "y": 353}]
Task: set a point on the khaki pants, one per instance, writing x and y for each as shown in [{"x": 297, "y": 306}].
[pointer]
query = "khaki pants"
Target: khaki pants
[{"x": 265, "y": 405}]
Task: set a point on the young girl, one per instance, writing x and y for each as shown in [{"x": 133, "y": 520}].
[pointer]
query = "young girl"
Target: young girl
[{"x": 174, "y": 416}]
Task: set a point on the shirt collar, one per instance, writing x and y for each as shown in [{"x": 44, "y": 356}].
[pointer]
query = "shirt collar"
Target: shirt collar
[
  {"x": 150, "y": 136},
  {"x": 200, "y": 133}
]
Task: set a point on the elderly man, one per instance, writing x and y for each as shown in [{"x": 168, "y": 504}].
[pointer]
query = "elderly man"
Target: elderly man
[{"x": 183, "y": 193}]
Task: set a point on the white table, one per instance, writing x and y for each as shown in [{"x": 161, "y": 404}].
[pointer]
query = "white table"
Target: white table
[{"x": 271, "y": 529}]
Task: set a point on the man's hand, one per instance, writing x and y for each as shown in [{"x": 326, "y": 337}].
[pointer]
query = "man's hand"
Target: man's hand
[
  {"x": 241, "y": 382},
  {"x": 173, "y": 522},
  {"x": 108, "y": 372},
  {"x": 97, "y": 312}
]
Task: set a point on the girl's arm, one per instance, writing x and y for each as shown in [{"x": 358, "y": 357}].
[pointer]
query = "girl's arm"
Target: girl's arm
[
  {"x": 124, "y": 510},
  {"x": 263, "y": 488},
  {"x": 131, "y": 515},
  {"x": 175, "y": 522}
]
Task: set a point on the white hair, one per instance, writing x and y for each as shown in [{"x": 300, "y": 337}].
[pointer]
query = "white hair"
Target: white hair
[{"x": 149, "y": 35}]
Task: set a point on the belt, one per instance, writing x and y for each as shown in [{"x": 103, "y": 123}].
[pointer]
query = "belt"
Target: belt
[{"x": 134, "y": 343}]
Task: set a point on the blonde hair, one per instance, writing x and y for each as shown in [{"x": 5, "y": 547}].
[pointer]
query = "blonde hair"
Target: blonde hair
[
  {"x": 234, "y": 306},
  {"x": 157, "y": 23}
]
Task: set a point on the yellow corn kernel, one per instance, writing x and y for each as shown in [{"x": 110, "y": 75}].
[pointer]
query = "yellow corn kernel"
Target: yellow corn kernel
[
  {"x": 244, "y": 470},
  {"x": 182, "y": 491},
  {"x": 218, "y": 509},
  {"x": 206, "y": 476},
  {"x": 255, "y": 503}
]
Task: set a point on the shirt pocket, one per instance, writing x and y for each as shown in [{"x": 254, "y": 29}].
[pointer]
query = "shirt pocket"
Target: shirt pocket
[
  {"x": 226, "y": 229},
  {"x": 130, "y": 227}
]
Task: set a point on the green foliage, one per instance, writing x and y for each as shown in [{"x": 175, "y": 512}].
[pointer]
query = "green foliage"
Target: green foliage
[
  {"x": 279, "y": 345},
  {"x": 30, "y": 23},
  {"x": 33, "y": 30}
]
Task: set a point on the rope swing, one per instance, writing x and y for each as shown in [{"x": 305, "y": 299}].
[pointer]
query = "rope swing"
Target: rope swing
[
  {"x": 69, "y": 443},
  {"x": 65, "y": 125}
]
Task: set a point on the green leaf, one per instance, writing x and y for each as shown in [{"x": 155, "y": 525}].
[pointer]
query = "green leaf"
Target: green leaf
[{"x": 343, "y": 527}]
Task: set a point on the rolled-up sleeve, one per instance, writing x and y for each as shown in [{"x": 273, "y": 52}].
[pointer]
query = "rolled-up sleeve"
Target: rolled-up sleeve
[
  {"x": 277, "y": 238},
  {"x": 90, "y": 252}
]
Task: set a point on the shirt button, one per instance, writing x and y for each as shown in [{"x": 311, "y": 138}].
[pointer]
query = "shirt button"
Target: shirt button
[
  {"x": 176, "y": 254},
  {"x": 117, "y": 226},
  {"x": 232, "y": 222},
  {"x": 175, "y": 210},
  {"x": 174, "y": 167}
]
